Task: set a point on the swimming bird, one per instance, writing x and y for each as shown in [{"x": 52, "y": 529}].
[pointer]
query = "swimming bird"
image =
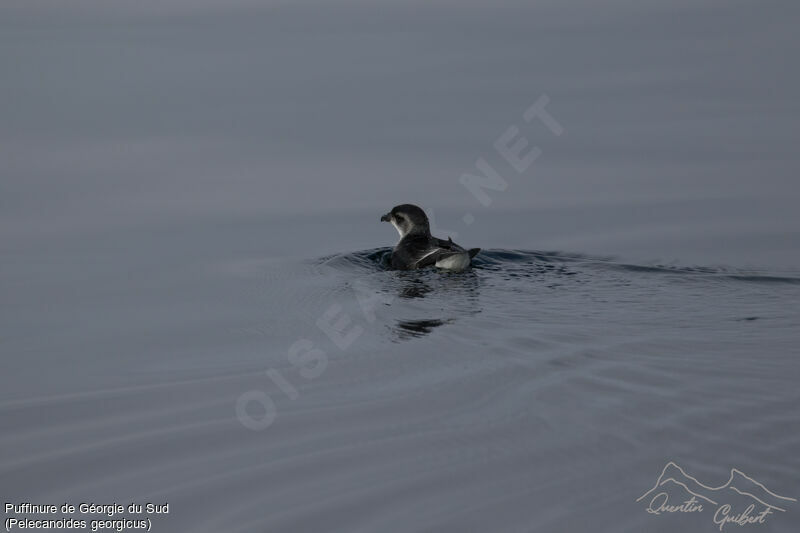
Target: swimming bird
[{"x": 418, "y": 248}]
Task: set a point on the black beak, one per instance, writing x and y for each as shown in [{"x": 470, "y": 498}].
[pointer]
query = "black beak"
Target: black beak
[{"x": 386, "y": 217}]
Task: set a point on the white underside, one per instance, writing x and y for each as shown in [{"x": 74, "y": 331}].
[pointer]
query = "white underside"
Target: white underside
[{"x": 454, "y": 262}]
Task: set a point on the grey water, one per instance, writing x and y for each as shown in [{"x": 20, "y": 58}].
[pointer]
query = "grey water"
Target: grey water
[
  {"x": 196, "y": 305},
  {"x": 539, "y": 390}
]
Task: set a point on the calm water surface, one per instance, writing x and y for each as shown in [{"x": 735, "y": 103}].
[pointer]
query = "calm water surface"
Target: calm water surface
[
  {"x": 189, "y": 205},
  {"x": 540, "y": 390}
]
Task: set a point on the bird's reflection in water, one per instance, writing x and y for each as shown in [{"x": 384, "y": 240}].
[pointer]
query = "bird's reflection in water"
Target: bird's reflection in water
[
  {"x": 407, "y": 329},
  {"x": 415, "y": 288},
  {"x": 452, "y": 295}
]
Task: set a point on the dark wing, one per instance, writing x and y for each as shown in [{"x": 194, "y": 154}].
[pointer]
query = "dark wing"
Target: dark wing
[
  {"x": 422, "y": 251},
  {"x": 451, "y": 246},
  {"x": 440, "y": 249},
  {"x": 448, "y": 245},
  {"x": 433, "y": 257},
  {"x": 409, "y": 251}
]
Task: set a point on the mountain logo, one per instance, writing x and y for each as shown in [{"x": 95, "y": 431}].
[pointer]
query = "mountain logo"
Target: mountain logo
[{"x": 740, "y": 501}]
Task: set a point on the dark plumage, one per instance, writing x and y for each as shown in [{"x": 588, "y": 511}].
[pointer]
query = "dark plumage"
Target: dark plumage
[{"x": 418, "y": 248}]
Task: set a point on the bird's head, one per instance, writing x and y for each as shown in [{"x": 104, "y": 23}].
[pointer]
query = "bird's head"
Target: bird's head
[{"x": 407, "y": 219}]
